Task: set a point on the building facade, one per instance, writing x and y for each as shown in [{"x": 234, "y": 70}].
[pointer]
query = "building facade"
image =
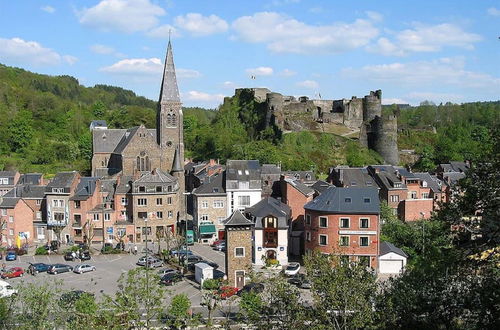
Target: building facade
[{"x": 243, "y": 185}]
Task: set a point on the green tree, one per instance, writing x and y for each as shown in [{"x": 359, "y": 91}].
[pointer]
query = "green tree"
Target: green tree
[
  {"x": 179, "y": 311},
  {"x": 251, "y": 305},
  {"x": 20, "y": 130}
]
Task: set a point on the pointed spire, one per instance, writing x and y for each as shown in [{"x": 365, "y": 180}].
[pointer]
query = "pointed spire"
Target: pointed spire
[
  {"x": 177, "y": 165},
  {"x": 169, "y": 90}
]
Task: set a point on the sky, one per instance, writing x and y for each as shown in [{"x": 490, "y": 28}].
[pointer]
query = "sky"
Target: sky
[{"x": 413, "y": 50}]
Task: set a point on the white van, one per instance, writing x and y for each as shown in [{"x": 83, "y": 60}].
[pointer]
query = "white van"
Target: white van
[{"x": 6, "y": 290}]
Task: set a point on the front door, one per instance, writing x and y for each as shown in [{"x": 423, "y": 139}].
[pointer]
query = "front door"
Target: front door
[{"x": 240, "y": 279}]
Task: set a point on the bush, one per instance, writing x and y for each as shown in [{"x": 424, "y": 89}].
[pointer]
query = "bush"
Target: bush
[
  {"x": 211, "y": 284},
  {"x": 272, "y": 262},
  {"x": 41, "y": 250},
  {"x": 110, "y": 250}
]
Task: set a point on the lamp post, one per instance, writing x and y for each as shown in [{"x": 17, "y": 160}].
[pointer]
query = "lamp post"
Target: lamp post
[
  {"x": 102, "y": 220},
  {"x": 186, "y": 224}
]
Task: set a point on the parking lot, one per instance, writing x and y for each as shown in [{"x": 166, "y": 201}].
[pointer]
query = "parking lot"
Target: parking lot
[{"x": 109, "y": 268}]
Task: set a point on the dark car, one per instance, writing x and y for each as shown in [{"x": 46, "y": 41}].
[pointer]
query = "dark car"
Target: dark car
[
  {"x": 252, "y": 287},
  {"x": 69, "y": 256},
  {"x": 211, "y": 264},
  {"x": 40, "y": 267},
  {"x": 171, "y": 278},
  {"x": 85, "y": 255},
  {"x": 11, "y": 256},
  {"x": 300, "y": 280},
  {"x": 59, "y": 268},
  {"x": 191, "y": 259}
]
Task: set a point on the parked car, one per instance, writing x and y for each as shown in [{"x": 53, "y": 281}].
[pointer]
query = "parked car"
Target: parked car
[
  {"x": 181, "y": 252},
  {"x": 292, "y": 269},
  {"x": 13, "y": 272},
  {"x": 220, "y": 247},
  {"x": 82, "y": 246},
  {"x": 6, "y": 290},
  {"x": 40, "y": 267},
  {"x": 171, "y": 278},
  {"x": 217, "y": 242},
  {"x": 83, "y": 268},
  {"x": 300, "y": 280},
  {"x": 59, "y": 268},
  {"x": 211, "y": 264},
  {"x": 252, "y": 287},
  {"x": 142, "y": 260},
  {"x": 69, "y": 256},
  {"x": 165, "y": 271},
  {"x": 192, "y": 259},
  {"x": 85, "y": 255},
  {"x": 11, "y": 256},
  {"x": 155, "y": 263},
  {"x": 227, "y": 291}
]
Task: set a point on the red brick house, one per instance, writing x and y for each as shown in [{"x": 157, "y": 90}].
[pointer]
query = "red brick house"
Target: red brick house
[
  {"x": 295, "y": 194},
  {"x": 345, "y": 221}
]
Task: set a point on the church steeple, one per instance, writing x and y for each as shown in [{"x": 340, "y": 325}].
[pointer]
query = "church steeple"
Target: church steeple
[{"x": 169, "y": 90}]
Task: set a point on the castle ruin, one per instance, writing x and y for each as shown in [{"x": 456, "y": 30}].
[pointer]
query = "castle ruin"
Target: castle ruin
[{"x": 377, "y": 131}]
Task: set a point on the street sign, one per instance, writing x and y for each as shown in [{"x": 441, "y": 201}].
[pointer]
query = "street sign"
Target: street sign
[{"x": 109, "y": 230}]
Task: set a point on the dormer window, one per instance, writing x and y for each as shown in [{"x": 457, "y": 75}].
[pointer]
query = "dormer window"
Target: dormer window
[
  {"x": 354, "y": 183},
  {"x": 246, "y": 172},
  {"x": 366, "y": 200},
  {"x": 142, "y": 189},
  {"x": 216, "y": 190},
  {"x": 424, "y": 183},
  {"x": 240, "y": 172},
  {"x": 368, "y": 183},
  {"x": 348, "y": 200},
  {"x": 397, "y": 184}
]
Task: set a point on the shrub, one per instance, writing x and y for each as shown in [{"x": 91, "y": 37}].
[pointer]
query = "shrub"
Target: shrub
[
  {"x": 111, "y": 250},
  {"x": 211, "y": 284},
  {"x": 272, "y": 262},
  {"x": 41, "y": 250}
]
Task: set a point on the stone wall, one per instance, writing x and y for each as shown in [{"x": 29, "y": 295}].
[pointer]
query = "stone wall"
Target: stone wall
[{"x": 238, "y": 237}]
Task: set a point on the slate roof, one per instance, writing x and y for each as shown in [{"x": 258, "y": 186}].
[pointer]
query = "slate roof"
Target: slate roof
[
  {"x": 30, "y": 178},
  {"x": 212, "y": 185},
  {"x": 5, "y": 174},
  {"x": 125, "y": 185},
  {"x": 106, "y": 140},
  {"x": 301, "y": 175},
  {"x": 432, "y": 181},
  {"x": 270, "y": 169},
  {"x": 169, "y": 89},
  {"x": 177, "y": 164},
  {"x": 9, "y": 202},
  {"x": 62, "y": 180},
  {"x": 386, "y": 247},
  {"x": 335, "y": 200},
  {"x": 351, "y": 177},
  {"x": 270, "y": 206},
  {"x": 387, "y": 176},
  {"x": 84, "y": 189},
  {"x": 155, "y": 177},
  {"x": 233, "y": 166},
  {"x": 27, "y": 191},
  {"x": 302, "y": 188},
  {"x": 320, "y": 186},
  {"x": 453, "y": 177},
  {"x": 459, "y": 166},
  {"x": 238, "y": 219}
]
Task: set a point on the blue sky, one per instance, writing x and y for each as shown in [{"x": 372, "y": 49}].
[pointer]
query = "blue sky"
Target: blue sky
[{"x": 412, "y": 50}]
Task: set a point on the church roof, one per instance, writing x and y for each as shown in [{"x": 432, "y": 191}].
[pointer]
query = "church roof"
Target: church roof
[
  {"x": 177, "y": 166},
  {"x": 169, "y": 89},
  {"x": 106, "y": 140}
]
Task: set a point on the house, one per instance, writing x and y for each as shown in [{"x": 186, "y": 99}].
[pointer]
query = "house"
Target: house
[
  {"x": 271, "y": 230},
  {"x": 197, "y": 173},
  {"x": 345, "y": 221},
  {"x": 8, "y": 179},
  {"x": 35, "y": 179},
  {"x": 238, "y": 257},
  {"x": 393, "y": 190},
  {"x": 243, "y": 186},
  {"x": 209, "y": 208},
  {"x": 345, "y": 176},
  {"x": 307, "y": 177},
  {"x": 392, "y": 260},
  {"x": 58, "y": 193},
  {"x": 419, "y": 203},
  {"x": 124, "y": 228}
]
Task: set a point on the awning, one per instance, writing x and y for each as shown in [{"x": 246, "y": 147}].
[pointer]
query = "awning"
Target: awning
[{"x": 207, "y": 229}]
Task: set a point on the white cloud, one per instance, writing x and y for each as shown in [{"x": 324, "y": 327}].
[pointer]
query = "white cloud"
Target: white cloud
[
  {"x": 18, "y": 51},
  {"x": 187, "y": 73},
  {"x": 441, "y": 72},
  {"x": 287, "y": 73},
  {"x": 374, "y": 16},
  {"x": 260, "y": 71},
  {"x": 229, "y": 85},
  {"x": 199, "y": 25},
  {"x": 135, "y": 66},
  {"x": 393, "y": 101},
  {"x": 283, "y": 34},
  {"x": 164, "y": 32},
  {"x": 48, "y": 9},
  {"x": 493, "y": 11},
  {"x": 418, "y": 97},
  {"x": 201, "y": 96},
  {"x": 122, "y": 15},
  {"x": 102, "y": 49},
  {"x": 424, "y": 38},
  {"x": 311, "y": 84}
]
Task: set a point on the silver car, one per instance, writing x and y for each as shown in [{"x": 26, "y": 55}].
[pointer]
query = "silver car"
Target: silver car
[{"x": 80, "y": 269}]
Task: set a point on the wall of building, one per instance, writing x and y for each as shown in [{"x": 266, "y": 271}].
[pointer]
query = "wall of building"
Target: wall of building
[
  {"x": 296, "y": 201},
  {"x": 281, "y": 250},
  {"x": 417, "y": 209},
  {"x": 19, "y": 220},
  {"x": 233, "y": 196},
  {"x": 216, "y": 215},
  {"x": 236, "y": 237}
]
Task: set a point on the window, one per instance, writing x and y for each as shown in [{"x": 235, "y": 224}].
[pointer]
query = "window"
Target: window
[
  {"x": 348, "y": 200},
  {"x": 159, "y": 201},
  {"x": 38, "y": 215},
  {"x": 204, "y": 204},
  {"x": 124, "y": 201},
  {"x": 364, "y": 261},
  {"x": 142, "y": 215},
  {"x": 239, "y": 252},
  {"x": 323, "y": 222},
  {"x": 204, "y": 217},
  {"x": 4, "y": 180},
  {"x": 344, "y": 223},
  {"x": 142, "y": 201},
  {"x": 394, "y": 198},
  {"x": 344, "y": 241},
  {"x": 170, "y": 214},
  {"x": 159, "y": 189},
  {"x": 424, "y": 183},
  {"x": 364, "y": 223},
  {"x": 77, "y": 204},
  {"x": 11, "y": 232},
  {"x": 244, "y": 200},
  {"x": 308, "y": 236},
  {"x": 58, "y": 216},
  {"x": 11, "y": 218},
  {"x": 107, "y": 216},
  {"x": 146, "y": 229},
  {"x": 169, "y": 200},
  {"x": 142, "y": 189},
  {"x": 218, "y": 204},
  {"x": 323, "y": 240},
  {"x": 38, "y": 202},
  {"x": 4, "y": 212},
  {"x": 58, "y": 203},
  {"x": 425, "y": 195},
  {"x": 96, "y": 216},
  {"x": 40, "y": 232},
  {"x": 397, "y": 185},
  {"x": 57, "y": 190},
  {"x": 308, "y": 219},
  {"x": 413, "y": 194},
  {"x": 124, "y": 214},
  {"x": 169, "y": 189},
  {"x": 366, "y": 200},
  {"x": 121, "y": 232},
  {"x": 159, "y": 215},
  {"x": 364, "y": 241}
]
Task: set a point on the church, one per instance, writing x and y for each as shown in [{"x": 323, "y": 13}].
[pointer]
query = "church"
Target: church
[{"x": 139, "y": 149}]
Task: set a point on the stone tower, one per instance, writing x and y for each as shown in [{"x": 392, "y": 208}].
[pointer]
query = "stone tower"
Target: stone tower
[
  {"x": 169, "y": 117},
  {"x": 239, "y": 231}
]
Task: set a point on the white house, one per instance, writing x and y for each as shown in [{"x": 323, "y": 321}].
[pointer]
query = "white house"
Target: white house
[
  {"x": 243, "y": 185},
  {"x": 271, "y": 218},
  {"x": 391, "y": 260}
]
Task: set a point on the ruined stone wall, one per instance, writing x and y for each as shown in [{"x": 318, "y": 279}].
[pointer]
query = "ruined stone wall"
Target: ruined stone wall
[
  {"x": 353, "y": 115},
  {"x": 386, "y": 134},
  {"x": 372, "y": 105}
]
